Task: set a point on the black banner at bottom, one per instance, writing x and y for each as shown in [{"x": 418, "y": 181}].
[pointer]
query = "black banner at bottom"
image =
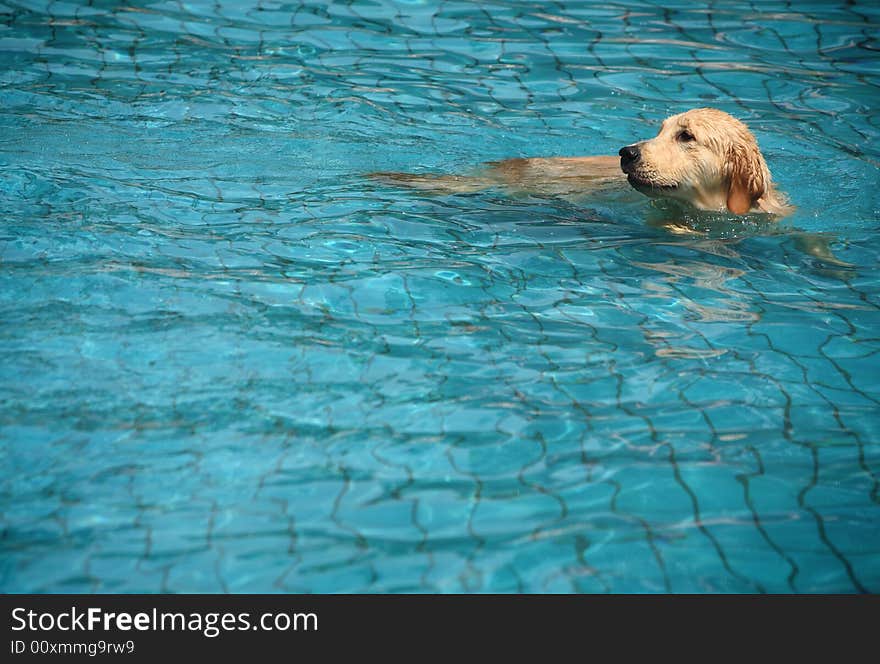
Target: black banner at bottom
[{"x": 270, "y": 627}]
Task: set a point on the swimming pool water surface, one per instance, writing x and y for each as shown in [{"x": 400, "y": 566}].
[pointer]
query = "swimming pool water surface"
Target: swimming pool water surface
[{"x": 231, "y": 363}]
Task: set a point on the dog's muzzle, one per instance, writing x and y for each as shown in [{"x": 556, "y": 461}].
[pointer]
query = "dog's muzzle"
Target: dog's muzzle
[{"x": 629, "y": 156}]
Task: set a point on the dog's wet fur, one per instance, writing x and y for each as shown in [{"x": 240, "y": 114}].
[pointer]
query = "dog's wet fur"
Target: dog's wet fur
[{"x": 704, "y": 159}]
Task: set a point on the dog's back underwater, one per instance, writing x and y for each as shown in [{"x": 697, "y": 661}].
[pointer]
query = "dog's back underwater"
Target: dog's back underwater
[{"x": 553, "y": 176}]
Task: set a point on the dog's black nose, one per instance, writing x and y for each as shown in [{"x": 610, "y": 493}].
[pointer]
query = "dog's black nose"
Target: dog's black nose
[{"x": 629, "y": 153}]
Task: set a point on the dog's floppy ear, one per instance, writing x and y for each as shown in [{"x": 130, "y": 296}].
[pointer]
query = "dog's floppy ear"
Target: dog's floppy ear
[{"x": 746, "y": 174}]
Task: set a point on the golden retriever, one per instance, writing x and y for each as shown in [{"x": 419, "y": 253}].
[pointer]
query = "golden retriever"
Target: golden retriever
[{"x": 703, "y": 157}]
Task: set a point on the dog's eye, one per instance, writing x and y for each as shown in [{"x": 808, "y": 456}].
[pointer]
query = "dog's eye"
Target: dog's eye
[{"x": 685, "y": 136}]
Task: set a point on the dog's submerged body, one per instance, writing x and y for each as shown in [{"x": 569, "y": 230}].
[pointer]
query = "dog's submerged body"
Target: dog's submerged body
[
  {"x": 703, "y": 157},
  {"x": 567, "y": 177}
]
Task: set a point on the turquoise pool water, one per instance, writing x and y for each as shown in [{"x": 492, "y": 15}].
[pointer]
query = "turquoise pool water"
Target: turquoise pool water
[{"x": 231, "y": 363}]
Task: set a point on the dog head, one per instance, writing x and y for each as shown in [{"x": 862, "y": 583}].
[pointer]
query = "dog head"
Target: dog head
[{"x": 706, "y": 158}]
